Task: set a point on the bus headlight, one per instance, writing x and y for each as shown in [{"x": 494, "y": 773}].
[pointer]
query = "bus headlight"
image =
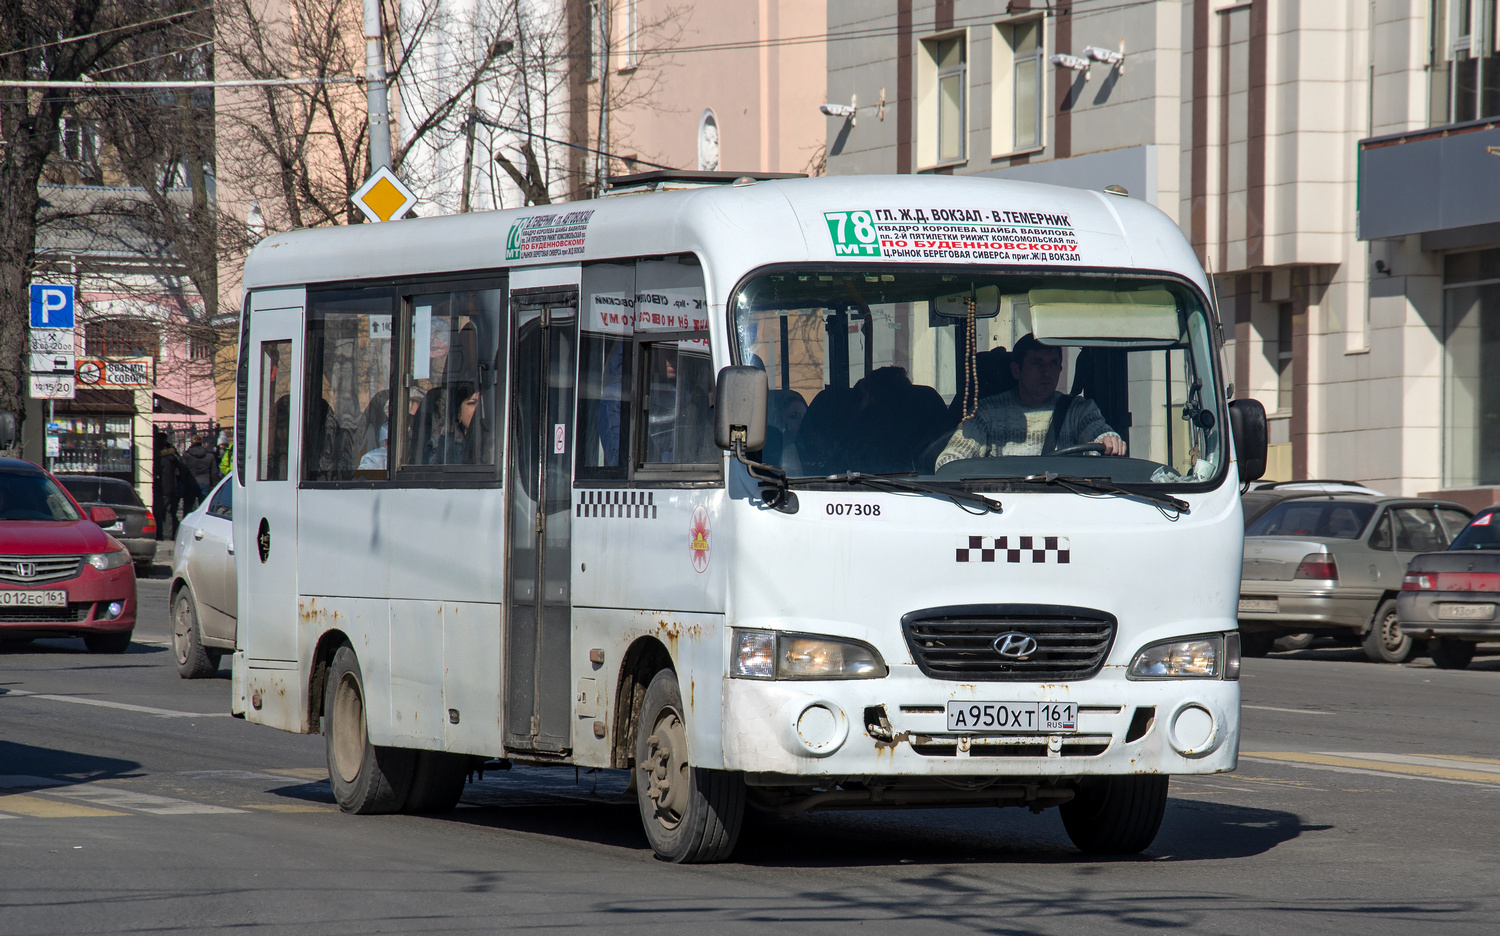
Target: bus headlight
[
  {"x": 1203, "y": 657},
  {"x": 772, "y": 655}
]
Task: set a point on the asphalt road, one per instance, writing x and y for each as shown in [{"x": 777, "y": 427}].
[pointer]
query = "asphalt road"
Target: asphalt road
[{"x": 1367, "y": 800}]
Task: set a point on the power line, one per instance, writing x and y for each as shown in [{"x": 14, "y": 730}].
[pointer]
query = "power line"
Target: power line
[
  {"x": 105, "y": 32},
  {"x": 232, "y": 83},
  {"x": 578, "y": 146}
]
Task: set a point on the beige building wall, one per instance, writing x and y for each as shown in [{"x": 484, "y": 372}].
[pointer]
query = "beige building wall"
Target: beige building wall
[{"x": 749, "y": 62}]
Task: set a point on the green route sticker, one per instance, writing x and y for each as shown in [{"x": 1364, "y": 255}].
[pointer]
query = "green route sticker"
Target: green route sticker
[{"x": 853, "y": 233}]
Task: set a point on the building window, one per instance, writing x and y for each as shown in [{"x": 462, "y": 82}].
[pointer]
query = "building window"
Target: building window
[
  {"x": 200, "y": 348},
  {"x": 123, "y": 338},
  {"x": 1016, "y": 114},
  {"x": 708, "y": 141},
  {"x": 1471, "y": 390},
  {"x": 1466, "y": 66},
  {"x": 944, "y": 101},
  {"x": 632, "y": 54},
  {"x": 1284, "y": 356}
]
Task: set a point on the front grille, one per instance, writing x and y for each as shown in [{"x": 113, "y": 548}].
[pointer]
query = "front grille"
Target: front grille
[
  {"x": 75, "y": 612},
  {"x": 43, "y": 569},
  {"x": 959, "y": 642}
]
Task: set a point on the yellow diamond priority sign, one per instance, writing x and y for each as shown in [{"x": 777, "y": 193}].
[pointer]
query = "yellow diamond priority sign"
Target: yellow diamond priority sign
[{"x": 384, "y": 197}]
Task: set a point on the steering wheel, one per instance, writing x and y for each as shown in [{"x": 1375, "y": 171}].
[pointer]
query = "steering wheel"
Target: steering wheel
[{"x": 1096, "y": 448}]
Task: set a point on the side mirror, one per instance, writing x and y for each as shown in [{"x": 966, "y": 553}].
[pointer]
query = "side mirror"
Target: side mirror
[
  {"x": 740, "y": 408},
  {"x": 7, "y": 429},
  {"x": 102, "y": 515},
  {"x": 1247, "y": 424}
]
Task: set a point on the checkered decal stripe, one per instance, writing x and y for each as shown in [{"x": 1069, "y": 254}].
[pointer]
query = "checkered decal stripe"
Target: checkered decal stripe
[
  {"x": 616, "y": 505},
  {"x": 1031, "y": 549}
]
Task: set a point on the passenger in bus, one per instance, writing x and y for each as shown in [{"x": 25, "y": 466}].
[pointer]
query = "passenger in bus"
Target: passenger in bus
[
  {"x": 376, "y": 458},
  {"x": 458, "y": 442},
  {"x": 1019, "y": 421},
  {"x": 891, "y": 421}
]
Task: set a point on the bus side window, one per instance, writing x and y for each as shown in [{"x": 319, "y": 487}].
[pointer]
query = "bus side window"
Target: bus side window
[
  {"x": 347, "y": 391},
  {"x": 275, "y": 410},
  {"x": 451, "y": 371},
  {"x": 605, "y": 365},
  {"x": 676, "y": 421}
]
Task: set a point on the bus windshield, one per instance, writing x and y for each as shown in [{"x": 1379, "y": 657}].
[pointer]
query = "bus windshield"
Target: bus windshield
[{"x": 970, "y": 376}]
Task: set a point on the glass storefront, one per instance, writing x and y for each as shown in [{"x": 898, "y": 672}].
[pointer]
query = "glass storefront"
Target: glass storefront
[{"x": 1471, "y": 377}]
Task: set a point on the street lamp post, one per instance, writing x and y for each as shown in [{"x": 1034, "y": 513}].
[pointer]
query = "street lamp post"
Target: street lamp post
[{"x": 380, "y": 118}]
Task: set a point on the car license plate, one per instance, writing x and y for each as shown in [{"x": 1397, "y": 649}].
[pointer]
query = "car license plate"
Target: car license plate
[
  {"x": 1013, "y": 717},
  {"x": 34, "y": 598},
  {"x": 1258, "y": 605},
  {"x": 1450, "y": 611}
]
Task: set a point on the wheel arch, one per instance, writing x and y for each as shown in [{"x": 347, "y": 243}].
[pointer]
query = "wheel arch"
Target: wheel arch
[
  {"x": 646, "y": 657},
  {"x": 317, "y": 677}
]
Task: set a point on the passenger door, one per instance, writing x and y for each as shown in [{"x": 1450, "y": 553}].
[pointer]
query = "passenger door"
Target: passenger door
[
  {"x": 539, "y": 504},
  {"x": 267, "y": 599}
]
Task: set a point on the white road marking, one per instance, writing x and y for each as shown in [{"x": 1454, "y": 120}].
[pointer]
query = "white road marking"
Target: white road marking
[
  {"x": 1293, "y": 711},
  {"x": 140, "y": 802},
  {"x": 124, "y": 706},
  {"x": 1384, "y": 775}
]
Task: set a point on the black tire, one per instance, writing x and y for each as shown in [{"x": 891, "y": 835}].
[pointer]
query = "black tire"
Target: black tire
[
  {"x": 1386, "y": 643},
  {"x": 193, "y": 661},
  {"x": 1256, "y": 643},
  {"x": 1291, "y": 642},
  {"x": 107, "y": 643},
  {"x": 1449, "y": 653},
  {"x": 692, "y": 815},
  {"x": 437, "y": 782},
  {"x": 1116, "y": 815},
  {"x": 366, "y": 779}
]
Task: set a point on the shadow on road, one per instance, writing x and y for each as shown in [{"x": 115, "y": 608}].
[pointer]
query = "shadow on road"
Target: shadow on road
[
  {"x": 56, "y": 764},
  {"x": 71, "y": 646}
]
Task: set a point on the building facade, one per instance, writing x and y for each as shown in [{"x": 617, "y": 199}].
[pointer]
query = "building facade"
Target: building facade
[{"x": 1242, "y": 121}]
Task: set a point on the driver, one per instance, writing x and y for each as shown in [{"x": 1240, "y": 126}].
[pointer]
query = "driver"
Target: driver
[{"x": 1017, "y": 421}]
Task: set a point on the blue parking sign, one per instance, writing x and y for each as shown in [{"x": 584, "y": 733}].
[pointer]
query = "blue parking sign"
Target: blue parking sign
[{"x": 51, "y": 306}]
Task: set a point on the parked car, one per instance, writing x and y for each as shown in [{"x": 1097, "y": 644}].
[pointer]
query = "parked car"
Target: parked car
[
  {"x": 136, "y": 524},
  {"x": 1333, "y": 564},
  {"x": 1320, "y": 487},
  {"x": 203, "y": 586},
  {"x": 61, "y": 575},
  {"x": 1451, "y": 597}
]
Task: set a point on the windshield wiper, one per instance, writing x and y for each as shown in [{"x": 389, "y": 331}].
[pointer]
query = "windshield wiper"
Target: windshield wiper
[
  {"x": 903, "y": 482},
  {"x": 1097, "y": 486}
]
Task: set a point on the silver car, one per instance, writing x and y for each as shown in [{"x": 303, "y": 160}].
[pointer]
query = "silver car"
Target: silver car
[
  {"x": 203, "y": 603},
  {"x": 1332, "y": 564}
]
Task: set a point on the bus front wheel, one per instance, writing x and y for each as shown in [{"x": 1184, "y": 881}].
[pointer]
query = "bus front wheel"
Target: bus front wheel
[
  {"x": 366, "y": 779},
  {"x": 1116, "y": 815},
  {"x": 692, "y": 815}
]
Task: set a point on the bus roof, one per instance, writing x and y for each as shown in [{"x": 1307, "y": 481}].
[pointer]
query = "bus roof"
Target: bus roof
[{"x": 736, "y": 228}]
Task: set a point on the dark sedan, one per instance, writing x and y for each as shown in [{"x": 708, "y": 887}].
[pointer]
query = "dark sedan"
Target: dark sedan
[
  {"x": 136, "y": 526},
  {"x": 61, "y": 575},
  {"x": 1451, "y": 597}
]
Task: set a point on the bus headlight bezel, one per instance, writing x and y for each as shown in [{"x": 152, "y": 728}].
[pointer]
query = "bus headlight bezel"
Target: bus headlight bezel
[
  {"x": 1200, "y": 656},
  {"x": 762, "y": 654}
]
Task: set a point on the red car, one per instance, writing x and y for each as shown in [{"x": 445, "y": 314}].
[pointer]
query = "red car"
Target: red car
[{"x": 60, "y": 574}]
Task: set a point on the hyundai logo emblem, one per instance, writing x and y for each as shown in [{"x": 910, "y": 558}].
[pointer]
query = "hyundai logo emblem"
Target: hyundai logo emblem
[
  {"x": 1015, "y": 645},
  {"x": 25, "y": 569}
]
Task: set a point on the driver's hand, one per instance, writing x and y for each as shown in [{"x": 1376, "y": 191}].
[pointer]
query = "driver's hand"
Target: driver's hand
[{"x": 1113, "y": 444}]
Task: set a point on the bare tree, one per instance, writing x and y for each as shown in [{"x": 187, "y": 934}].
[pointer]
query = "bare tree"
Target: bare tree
[{"x": 46, "y": 40}]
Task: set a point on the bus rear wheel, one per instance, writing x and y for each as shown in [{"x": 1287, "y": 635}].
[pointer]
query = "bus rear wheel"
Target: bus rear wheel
[
  {"x": 366, "y": 779},
  {"x": 692, "y": 815},
  {"x": 1116, "y": 815}
]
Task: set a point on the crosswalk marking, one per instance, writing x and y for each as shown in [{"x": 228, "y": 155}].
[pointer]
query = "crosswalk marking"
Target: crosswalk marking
[
  {"x": 40, "y": 807},
  {"x": 1418, "y": 766},
  {"x": 140, "y": 802}
]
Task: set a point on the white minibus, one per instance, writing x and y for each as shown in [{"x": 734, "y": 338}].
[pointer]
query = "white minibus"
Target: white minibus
[{"x": 789, "y": 494}]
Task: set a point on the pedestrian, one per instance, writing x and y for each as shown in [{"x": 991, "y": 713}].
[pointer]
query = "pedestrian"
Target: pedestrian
[
  {"x": 204, "y": 470},
  {"x": 170, "y": 475}
]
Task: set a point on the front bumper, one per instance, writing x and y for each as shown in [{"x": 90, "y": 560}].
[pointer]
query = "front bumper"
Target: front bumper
[
  {"x": 1300, "y": 611},
  {"x": 89, "y": 596},
  {"x": 1192, "y": 728},
  {"x": 1420, "y": 615}
]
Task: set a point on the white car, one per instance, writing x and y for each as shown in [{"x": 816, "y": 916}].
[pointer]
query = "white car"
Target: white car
[{"x": 202, "y": 598}]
